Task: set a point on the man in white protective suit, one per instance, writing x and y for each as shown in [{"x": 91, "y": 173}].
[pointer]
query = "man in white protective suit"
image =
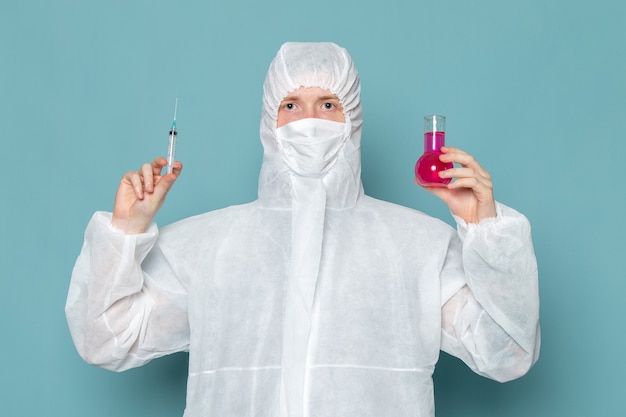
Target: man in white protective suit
[{"x": 315, "y": 299}]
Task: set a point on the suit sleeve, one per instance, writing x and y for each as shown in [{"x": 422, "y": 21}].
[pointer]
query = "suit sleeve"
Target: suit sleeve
[
  {"x": 490, "y": 297},
  {"x": 120, "y": 316}
]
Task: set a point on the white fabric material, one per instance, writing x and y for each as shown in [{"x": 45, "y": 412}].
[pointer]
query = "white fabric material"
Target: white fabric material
[
  {"x": 307, "y": 227},
  {"x": 386, "y": 290},
  {"x": 310, "y": 146}
]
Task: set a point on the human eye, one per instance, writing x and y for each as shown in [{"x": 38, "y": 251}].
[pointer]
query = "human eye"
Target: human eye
[{"x": 331, "y": 105}]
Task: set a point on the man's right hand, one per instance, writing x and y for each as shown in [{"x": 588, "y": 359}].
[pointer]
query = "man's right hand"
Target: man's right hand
[{"x": 141, "y": 194}]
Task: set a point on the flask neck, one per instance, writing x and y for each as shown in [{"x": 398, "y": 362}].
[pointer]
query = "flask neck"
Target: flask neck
[{"x": 433, "y": 141}]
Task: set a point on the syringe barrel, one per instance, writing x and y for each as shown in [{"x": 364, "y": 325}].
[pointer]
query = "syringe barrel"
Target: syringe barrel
[{"x": 171, "y": 151}]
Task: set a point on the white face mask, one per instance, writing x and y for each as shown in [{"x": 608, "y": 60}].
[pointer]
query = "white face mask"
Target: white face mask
[{"x": 310, "y": 146}]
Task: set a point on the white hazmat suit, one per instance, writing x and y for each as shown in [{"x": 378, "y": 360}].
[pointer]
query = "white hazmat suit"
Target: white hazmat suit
[{"x": 315, "y": 299}]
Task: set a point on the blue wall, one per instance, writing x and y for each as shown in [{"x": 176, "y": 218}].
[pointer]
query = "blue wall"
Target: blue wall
[{"x": 535, "y": 89}]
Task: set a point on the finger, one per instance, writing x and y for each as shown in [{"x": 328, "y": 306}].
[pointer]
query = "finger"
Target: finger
[
  {"x": 468, "y": 182},
  {"x": 158, "y": 164},
  {"x": 177, "y": 168},
  {"x": 163, "y": 187},
  {"x": 134, "y": 179},
  {"x": 482, "y": 190},
  {"x": 463, "y": 158},
  {"x": 452, "y": 149},
  {"x": 463, "y": 173},
  {"x": 147, "y": 174}
]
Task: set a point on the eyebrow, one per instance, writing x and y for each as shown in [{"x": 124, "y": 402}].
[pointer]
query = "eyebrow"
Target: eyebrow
[{"x": 322, "y": 98}]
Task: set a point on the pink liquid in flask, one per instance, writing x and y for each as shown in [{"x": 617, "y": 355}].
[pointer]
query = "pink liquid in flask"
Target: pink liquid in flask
[{"x": 428, "y": 165}]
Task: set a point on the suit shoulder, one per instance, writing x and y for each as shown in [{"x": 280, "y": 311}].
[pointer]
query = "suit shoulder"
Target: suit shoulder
[{"x": 403, "y": 213}]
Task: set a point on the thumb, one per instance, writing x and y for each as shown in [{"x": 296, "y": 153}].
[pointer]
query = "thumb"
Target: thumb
[{"x": 163, "y": 186}]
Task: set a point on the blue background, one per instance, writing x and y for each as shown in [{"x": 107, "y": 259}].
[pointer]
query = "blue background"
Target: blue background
[{"x": 535, "y": 89}]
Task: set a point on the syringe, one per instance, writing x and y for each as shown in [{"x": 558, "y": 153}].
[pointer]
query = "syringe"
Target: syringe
[{"x": 171, "y": 149}]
